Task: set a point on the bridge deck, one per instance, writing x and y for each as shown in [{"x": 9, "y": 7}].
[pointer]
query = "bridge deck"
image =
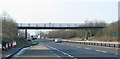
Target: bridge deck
[{"x": 57, "y": 26}]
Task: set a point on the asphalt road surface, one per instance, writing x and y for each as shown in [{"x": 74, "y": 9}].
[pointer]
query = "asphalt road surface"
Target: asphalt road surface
[{"x": 50, "y": 50}]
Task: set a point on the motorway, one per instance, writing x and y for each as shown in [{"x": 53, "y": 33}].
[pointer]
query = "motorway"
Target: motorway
[{"x": 47, "y": 49}]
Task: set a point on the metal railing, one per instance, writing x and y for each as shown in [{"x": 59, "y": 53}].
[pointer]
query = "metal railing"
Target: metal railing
[{"x": 58, "y": 25}]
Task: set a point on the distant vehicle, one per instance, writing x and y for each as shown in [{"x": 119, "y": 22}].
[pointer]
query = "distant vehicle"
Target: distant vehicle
[
  {"x": 38, "y": 37},
  {"x": 34, "y": 37},
  {"x": 29, "y": 38},
  {"x": 42, "y": 37},
  {"x": 58, "y": 40}
]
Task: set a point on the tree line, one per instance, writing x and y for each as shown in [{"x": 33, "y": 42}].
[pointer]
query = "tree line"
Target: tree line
[{"x": 109, "y": 33}]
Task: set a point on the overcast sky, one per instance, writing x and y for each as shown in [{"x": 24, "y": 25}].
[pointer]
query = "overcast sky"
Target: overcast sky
[{"x": 60, "y": 11}]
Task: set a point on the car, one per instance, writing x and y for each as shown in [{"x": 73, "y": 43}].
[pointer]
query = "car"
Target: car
[
  {"x": 58, "y": 40},
  {"x": 29, "y": 38}
]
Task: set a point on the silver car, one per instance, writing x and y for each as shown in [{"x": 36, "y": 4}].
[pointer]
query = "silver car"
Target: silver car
[{"x": 58, "y": 40}]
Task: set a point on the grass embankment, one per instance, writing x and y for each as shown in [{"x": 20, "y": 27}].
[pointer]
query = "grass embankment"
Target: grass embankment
[{"x": 23, "y": 43}]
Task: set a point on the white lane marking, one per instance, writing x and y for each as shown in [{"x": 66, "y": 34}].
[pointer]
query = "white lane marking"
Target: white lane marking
[
  {"x": 51, "y": 51},
  {"x": 55, "y": 54},
  {"x": 78, "y": 47},
  {"x": 62, "y": 44},
  {"x": 8, "y": 55},
  {"x": 101, "y": 51},
  {"x": 88, "y": 48},
  {"x": 60, "y": 51},
  {"x": 117, "y": 48},
  {"x": 104, "y": 51},
  {"x": 97, "y": 50},
  {"x": 75, "y": 58}
]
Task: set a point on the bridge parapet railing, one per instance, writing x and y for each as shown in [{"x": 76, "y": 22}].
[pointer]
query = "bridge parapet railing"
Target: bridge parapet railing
[{"x": 57, "y": 25}]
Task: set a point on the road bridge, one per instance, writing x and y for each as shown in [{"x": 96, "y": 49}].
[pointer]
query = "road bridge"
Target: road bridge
[{"x": 58, "y": 26}]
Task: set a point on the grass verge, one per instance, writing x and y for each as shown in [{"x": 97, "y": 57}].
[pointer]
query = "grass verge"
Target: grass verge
[{"x": 23, "y": 43}]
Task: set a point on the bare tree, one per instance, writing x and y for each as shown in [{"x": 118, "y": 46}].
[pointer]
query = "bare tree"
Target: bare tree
[{"x": 9, "y": 28}]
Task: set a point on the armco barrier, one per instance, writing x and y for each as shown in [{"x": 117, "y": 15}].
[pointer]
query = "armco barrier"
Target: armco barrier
[{"x": 96, "y": 44}]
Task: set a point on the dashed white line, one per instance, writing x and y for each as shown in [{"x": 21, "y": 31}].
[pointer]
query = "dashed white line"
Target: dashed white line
[
  {"x": 78, "y": 47},
  {"x": 101, "y": 51},
  {"x": 97, "y": 50},
  {"x": 62, "y": 44},
  {"x": 61, "y": 51},
  {"x": 88, "y": 48},
  {"x": 117, "y": 48},
  {"x": 104, "y": 51},
  {"x": 55, "y": 54}
]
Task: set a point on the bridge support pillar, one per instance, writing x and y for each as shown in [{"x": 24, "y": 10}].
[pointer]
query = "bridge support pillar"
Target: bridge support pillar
[
  {"x": 25, "y": 33},
  {"x": 86, "y": 34}
]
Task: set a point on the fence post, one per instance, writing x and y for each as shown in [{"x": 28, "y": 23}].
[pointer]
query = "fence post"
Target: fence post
[
  {"x": 101, "y": 44},
  {"x": 118, "y": 45},
  {"x": 105, "y": 44},
  {"x": 114, "y": 45}
]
